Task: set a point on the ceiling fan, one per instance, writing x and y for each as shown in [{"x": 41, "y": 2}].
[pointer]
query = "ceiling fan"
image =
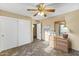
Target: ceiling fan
[{"x": 41, "y": 10}]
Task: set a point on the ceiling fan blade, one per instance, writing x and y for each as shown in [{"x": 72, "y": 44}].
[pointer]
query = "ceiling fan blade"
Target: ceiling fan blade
[
  {"x": 50, "y": 10},
  {"x": 35, "y": 14},
  {"x": 32, "y": 9}
]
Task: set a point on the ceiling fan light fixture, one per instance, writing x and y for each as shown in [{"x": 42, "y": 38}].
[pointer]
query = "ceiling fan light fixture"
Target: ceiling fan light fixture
[
  {"x": 42, "y": 10},
  {"x": 41, "y": 13}
]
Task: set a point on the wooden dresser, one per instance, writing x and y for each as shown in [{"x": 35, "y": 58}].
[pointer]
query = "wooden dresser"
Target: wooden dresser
[{"x": 61, "y": 44}]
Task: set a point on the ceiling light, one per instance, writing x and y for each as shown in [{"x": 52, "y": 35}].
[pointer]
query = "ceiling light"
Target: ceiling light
[{"x": 41, "y": 13}]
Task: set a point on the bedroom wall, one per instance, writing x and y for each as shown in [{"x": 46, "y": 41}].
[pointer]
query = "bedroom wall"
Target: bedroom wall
[{"x": 72, "y": 22}]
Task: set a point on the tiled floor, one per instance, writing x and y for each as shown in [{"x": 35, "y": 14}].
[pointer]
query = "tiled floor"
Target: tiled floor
[{"x": 37, "y": 48}]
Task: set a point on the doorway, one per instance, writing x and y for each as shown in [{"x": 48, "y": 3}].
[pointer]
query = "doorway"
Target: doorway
[
  {"x": 34, "y": 31},
  {"x": 37, "y": 31}
]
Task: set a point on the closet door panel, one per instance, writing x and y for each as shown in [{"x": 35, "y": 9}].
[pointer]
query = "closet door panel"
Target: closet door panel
[
  {"x": 8, "y": 33},
  {"x": 25, "y": 32}
]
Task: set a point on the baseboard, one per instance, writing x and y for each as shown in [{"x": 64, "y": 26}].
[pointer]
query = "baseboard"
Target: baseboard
[{"x": 73, "y": 50}]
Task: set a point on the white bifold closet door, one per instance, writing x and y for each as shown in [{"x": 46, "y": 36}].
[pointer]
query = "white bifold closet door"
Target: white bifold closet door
[
  {"x": 14, "y": 32},
  {"x": 8, "y": 33},
  {"x": 24, "y": 31}
]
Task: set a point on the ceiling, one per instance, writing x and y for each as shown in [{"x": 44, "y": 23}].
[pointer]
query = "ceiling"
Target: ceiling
[{"x": 21, "y": 8}]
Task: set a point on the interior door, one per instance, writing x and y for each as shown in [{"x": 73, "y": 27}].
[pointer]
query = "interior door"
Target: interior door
[
  {"x": 39, "y": 31},
  {"x": 25, "y": 32},
  {"x": 8, "y": 33}
]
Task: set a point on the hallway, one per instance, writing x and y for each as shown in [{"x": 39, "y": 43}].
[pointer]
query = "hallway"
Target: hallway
[{"x": 37, "y": 48}]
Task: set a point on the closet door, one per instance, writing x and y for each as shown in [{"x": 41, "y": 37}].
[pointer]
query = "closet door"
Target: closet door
[
  {"x": 25, "y": 32},
  {"x": 8, "y": 33}
]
